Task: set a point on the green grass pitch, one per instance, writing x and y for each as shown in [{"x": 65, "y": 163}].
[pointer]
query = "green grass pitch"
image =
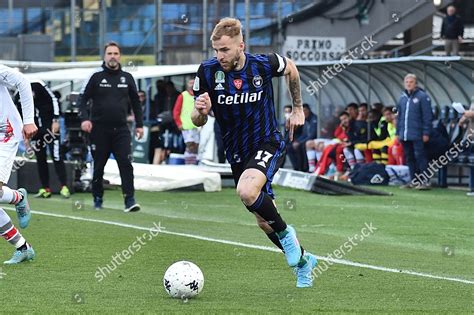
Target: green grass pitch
[{"x": 426, "y": 232}]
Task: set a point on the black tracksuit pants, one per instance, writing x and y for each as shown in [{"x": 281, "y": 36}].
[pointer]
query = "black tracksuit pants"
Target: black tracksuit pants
[
  {"x": 107, "y": 139},
  {"x": 40, "y": 142}
]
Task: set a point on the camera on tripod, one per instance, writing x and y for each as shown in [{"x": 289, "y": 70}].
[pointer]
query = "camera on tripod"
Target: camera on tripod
[{"x": 75, "y": 144}]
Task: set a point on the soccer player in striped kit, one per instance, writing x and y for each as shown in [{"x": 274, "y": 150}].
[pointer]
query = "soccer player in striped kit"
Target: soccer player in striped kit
[
  {"x": 12, "y": 131},
  {"x": 238, "y": 87}
]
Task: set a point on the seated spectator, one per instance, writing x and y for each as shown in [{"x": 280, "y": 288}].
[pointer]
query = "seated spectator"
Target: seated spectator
[
  {"x": 373, "y": 118},
  {"x": 318, "y": 145},
  {"x": 297, "y": 149},
  {"x": 395, "y": 149},
  {"x": 359, "y": 127},
  {"x": 131, "y": 115},
  {"x": 361, "y": 143},
  {"x": 353, "y": 110},
  {"x": 362, "y": 112},
  {"x": 330, "y": 123},
  {"x": 356, "y": 133},
  {"x": 157, "y": 154},
  {"x": 142, "y": 99},
  {"x": 338, "y": 152},
  {"x": 165, "y": 138},
  {"x": 385, "y": 147},
  {"x": 378, "y": 107}
]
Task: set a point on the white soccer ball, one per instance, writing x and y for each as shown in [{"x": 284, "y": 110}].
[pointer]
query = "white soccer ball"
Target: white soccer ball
[{"x": 183, "y": 280}]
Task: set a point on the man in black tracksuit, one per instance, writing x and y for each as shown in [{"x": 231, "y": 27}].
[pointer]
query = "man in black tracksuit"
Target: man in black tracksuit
[
  {"x": 111, "y": 91},
  {"x": 47, "y": 120}
]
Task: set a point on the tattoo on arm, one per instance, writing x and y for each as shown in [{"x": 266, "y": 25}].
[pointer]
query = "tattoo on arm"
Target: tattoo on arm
[
  {"x": 198, "y": 119},
  {"x": 202, "y": 119},
  {"x": 294, "y": 87},
  {"x": 295, "y": 91}
]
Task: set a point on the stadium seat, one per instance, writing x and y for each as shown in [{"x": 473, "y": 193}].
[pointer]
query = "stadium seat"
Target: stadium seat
[
  {"x": 124, "y": 25},
  {"x": 147, "y": 25}
]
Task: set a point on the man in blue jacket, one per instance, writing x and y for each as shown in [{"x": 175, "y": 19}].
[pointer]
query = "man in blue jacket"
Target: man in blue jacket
[{"x": 414, "y": 125}]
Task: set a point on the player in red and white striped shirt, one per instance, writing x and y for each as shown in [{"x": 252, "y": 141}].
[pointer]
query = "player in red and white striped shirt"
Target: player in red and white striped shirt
[{"x": 12, "y": 131}]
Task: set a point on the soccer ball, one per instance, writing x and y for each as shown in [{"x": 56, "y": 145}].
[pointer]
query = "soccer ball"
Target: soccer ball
[{"x": 183, "y": 280}]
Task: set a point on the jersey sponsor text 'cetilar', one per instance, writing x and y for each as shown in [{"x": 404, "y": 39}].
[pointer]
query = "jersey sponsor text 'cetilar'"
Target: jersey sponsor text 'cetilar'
[{"x": 239, "y": 98}]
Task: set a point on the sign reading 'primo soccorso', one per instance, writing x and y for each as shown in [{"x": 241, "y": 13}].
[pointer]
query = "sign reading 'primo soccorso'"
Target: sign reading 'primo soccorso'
[{"x": 309, "y": 49}]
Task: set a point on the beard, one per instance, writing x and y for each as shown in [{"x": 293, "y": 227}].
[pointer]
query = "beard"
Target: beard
[
  {"x": 231, "y": 65},
  {"x": 113, "y": 64}
]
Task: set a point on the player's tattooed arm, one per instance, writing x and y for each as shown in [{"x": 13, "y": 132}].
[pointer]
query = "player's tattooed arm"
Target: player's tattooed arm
[
  {"x": 198, "y": 119},
  {"x": 293, "y": 81},
  {"x": 296, "y": 118}
]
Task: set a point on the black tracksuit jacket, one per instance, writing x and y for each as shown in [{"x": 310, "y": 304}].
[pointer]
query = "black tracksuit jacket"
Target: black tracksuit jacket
[{"x": 111, "y": 92}]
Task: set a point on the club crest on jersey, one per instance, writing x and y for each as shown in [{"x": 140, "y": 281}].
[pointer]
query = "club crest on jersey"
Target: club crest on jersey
[
  {"x": 122, "y": 83},
  {"x": 220, "y": 77},
  {"x": 238, "y": 83},
  {"x": 257, "y": 81}
]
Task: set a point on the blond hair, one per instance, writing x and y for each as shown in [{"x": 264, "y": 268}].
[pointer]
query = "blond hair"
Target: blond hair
[
  {"x": 227, "y": 27},
  {"x": 410, "y": 75}
]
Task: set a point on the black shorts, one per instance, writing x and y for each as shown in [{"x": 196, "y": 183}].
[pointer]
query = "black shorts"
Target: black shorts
[{"x": 268, "y": 158}]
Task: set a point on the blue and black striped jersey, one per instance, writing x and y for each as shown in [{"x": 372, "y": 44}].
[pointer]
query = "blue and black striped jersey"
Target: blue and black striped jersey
[{"x": 242, "y": 102}]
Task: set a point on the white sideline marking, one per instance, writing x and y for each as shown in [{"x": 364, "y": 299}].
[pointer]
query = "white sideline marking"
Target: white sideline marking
[{"x": 266, "y": 248}]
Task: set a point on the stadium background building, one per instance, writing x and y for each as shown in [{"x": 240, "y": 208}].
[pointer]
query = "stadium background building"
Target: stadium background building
[{"x": 176, "y": 32}]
